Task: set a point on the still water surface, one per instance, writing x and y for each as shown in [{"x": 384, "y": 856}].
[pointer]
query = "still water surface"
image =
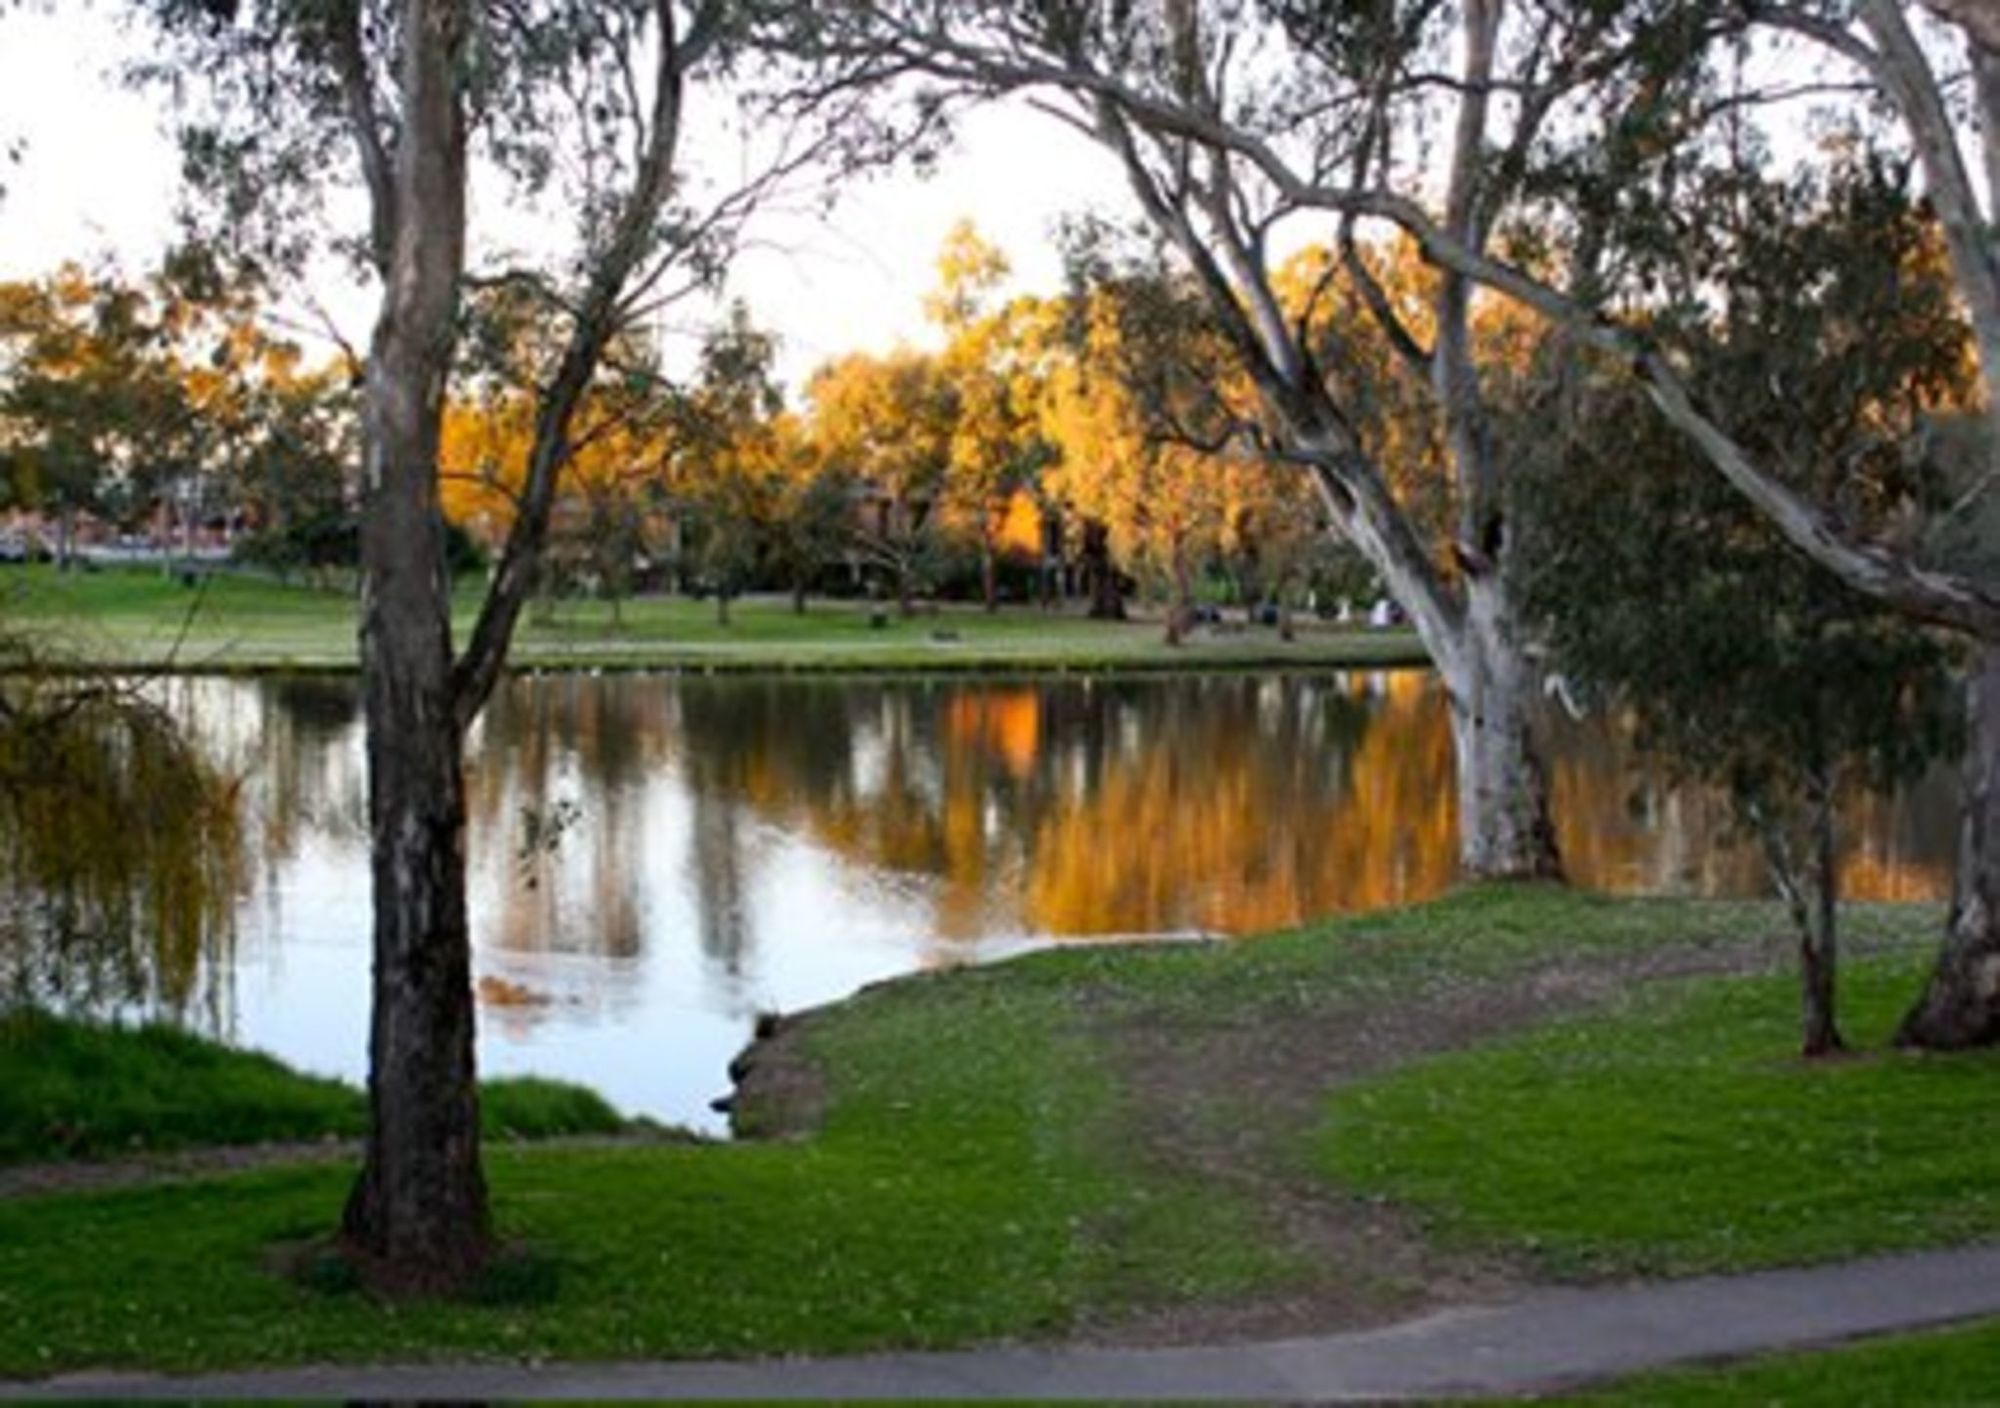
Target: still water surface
[{"x": 724, "y": 847}]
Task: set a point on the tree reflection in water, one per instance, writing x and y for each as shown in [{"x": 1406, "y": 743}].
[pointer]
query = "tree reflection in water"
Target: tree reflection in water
[
  {"x": 1226, "y": 803},
  {"x": 964, "y": 811}
]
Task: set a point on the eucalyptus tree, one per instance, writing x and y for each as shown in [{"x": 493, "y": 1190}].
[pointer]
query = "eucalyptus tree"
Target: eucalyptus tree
[
  {"x": 1960, "y": 1005},
  {"x": 1741, "y": 662},
  {"x": 581, "y": 106},
  {"x": 1885, "y": 54},
  {"x": 1230, "y": 118},
  {"x": 1612, "y": 109}
]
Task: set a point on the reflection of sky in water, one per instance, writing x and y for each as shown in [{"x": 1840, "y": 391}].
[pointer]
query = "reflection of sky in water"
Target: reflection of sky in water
[{"x": 749, "y": 846}]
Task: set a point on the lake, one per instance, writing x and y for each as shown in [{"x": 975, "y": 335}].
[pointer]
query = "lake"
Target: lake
[{"x": 654, "y": 860}]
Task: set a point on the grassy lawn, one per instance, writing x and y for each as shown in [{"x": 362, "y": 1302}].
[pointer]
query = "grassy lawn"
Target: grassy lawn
[
  {"x": 133, "y": 616},
  {"x": 1949, "y": 1369},
  {"x": 70, "y": 1090},
  {"x": 981, "y": 1167},
  {"x": 1676, "y": 1134},
  {"x": 942, "y": 1204}
]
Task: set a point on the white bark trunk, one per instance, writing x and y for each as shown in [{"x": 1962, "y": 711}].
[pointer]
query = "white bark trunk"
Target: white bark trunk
[
  {"x": 1504, "y": 826},
  {"x": 1960, "y": 1006}
]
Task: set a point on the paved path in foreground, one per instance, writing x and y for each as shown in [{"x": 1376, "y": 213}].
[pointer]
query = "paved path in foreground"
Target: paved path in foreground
[{"x": 1543, "y": 1340}]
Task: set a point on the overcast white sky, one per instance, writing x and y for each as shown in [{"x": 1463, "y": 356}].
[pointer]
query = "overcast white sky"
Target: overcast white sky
[{"x": 99, "y": 178}]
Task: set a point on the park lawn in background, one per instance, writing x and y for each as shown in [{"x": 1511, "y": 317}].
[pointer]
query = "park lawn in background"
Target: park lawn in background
[
  {"x": 142, "y": 618},
  {"x": 1678, "y": 1133},
  {"x": 73, "y": 1089},
  {"x": 1956, "y": 1368},
  {"x": 975, "y": 1175}
]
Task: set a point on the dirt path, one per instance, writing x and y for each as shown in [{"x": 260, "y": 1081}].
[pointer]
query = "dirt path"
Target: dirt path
[
  {"x": 99, "y": 1175},
  {"x": 1230, "y": 1097},
  {"x": 1213, "y": 1099}
]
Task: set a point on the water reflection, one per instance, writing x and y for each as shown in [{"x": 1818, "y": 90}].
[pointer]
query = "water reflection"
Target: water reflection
[{"x": 723, "y": 846}]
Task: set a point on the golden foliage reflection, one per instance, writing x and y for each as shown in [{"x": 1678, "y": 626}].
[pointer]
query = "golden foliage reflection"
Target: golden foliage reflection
[{"x": 1226, "y": 804}]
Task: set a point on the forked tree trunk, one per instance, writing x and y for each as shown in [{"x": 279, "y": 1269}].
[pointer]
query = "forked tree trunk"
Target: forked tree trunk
[
  {"x": 1810, "y": 887},
  {"x": 417, "y": 1218},
  {"x": 1960, "y": 1005}
]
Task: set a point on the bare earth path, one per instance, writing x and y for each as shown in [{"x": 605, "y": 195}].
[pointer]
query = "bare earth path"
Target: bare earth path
[{"x": 1537, "y": 1341}]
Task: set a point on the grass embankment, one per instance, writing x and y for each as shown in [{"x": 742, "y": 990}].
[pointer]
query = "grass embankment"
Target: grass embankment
[
  {"x": 74, "y": 1090},
  {"x": 1957, "y": 1368},
  {"x": 1675, "y": 1134},
  {"x": 1059, "y": 1143},
  {"x": 140, "y": 618}
]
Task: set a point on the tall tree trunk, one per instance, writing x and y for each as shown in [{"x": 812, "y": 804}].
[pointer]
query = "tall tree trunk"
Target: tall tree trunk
[
  {"x": 1105, "y": 602},
  {"x": 417, "y": 1218},
  {"x": 1960, "y": 1005},
  {"x": 1180, "y": 609},
  {"x": 418, "y": 1215},
  {"x": 799, "y": 596},
  {"x": 1819, "y": 948},
  {"x": 1504, "y": 826},
  {"x": 989, "y": 582},
  {"x": 1048, "y": 584}
]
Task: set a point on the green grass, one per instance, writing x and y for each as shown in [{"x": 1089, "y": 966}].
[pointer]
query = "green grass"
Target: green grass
[
  {"x": 74, "y": 1089},
  {"x": 136, "y": 617},
  {"x": 1957, "y": 1368},
  {"x": 945, "y": 1202},
  {"x": 976, "y": 1177},
  {"x": 1678, "y": 1134}
]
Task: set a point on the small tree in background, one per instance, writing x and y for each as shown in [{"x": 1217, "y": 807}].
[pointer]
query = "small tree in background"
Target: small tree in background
[
  {"x": 812, "y": 519},
  {"x": 722, "y": 455},
  {"x": 94, "y": 407}
]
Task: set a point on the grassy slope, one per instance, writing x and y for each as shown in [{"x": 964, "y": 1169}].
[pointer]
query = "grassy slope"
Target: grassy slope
[
  {"x": 972, "y": 1179},
  {"x": 1678, "y": 1135},
  {"x": 941, "y": 1205},
  {"x": 68, "y": 1089},
  {"x": 136, "y": 616},
  {"x": 1950, "y": 1369}
]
